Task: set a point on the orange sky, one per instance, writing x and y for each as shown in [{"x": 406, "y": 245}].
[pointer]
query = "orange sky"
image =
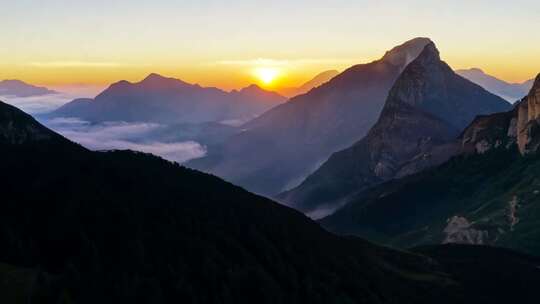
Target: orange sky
[{"x": 218, "y": 43}]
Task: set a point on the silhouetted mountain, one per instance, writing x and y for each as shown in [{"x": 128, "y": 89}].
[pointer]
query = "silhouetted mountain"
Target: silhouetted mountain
[
  {"x": 18, "y": 88},
  {"x": 508, "y": 91},
  {"x": 425, "y": 111},
  {"x": 318, "y": 80},
  {"x": 277, "y": 150},
  {"x": 488, "y": 195},
  {"x": 169, "y": 100},
  {"x": 116, "y": 227}
]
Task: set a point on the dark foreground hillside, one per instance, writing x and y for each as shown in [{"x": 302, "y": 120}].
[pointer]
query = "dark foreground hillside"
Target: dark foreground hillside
[{"x": 124, "y": 227}]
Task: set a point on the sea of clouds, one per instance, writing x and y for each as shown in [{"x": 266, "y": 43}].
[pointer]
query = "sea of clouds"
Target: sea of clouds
[
  {"x": 103, "y": 136},
  {"x": 123, "y": 135}
]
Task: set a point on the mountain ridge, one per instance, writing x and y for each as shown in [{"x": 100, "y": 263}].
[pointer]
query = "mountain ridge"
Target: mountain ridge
[
  {"x": 303, "y": 132},
  {"x": 169, "y": 100},
  {"x": 509, "y": 91},
  {"x": 487, "y": 194},
  {"x": 425, "y": 110},
  {"x": 18, "y": 88}
]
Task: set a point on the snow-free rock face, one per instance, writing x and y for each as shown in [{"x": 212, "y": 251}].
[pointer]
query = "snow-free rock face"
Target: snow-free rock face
[
  {"x": 520, "y": 127},
  {"x": 424, "y": 113},
  {"x": 528, "y": 122}
]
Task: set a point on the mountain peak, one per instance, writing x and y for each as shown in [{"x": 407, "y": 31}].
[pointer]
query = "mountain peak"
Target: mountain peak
[
  {"x": 251, "y": 88},
  {"x": 20, "y": 88},
  {"x": 405, "y": 53},
  {"x": 155, "y": 77},
  {"x": 157, "y": 80},
  {"x": 430, "y": 54},
  {"x": 536, "y": 85}
]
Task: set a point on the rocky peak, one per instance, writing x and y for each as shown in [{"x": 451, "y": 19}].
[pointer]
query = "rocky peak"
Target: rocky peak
[
  {"x": 404, "y": 54},
  {"x": 520, "y": 126},
  {"x": 528, "y": 120},
  {"x": 533, "y": 100}
]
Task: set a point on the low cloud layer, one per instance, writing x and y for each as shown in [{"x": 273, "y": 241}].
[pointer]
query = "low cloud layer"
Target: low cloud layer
[
  {"x": 47, "y": 103},
  {"x": 122, "y": 135},
  {"x": 37, "y": 104}
]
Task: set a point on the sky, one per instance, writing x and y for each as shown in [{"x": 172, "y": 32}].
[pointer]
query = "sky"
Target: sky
[{"x": 223, "y": 43}]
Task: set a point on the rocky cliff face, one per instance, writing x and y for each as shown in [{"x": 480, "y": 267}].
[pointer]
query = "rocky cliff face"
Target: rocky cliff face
[
  {"x": 528, "y": 121},
  {"x": 425, "y": 110},
  {"x": 519, "y": 127}
]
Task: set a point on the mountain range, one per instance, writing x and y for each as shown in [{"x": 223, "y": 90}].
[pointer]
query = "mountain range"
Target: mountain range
[
  {"x": 489, "y": 194},
  {"x": 19, "y": 88},
  {"x": 278, "y": 149},
  {"x": 316, "y": 81},
  {"x": 113, "y": 227},
  {"x": 509, "y": 91},
  {"x": 130, "y": 227},
  {"x": 168, "y": 101},
  {"x": 424, "y": 113}
]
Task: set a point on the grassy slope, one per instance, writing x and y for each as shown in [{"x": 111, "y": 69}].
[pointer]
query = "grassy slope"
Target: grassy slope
[{"x": 414, "y": 210}]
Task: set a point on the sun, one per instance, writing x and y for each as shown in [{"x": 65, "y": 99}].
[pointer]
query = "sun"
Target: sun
[{"x": 266, "y": 75}]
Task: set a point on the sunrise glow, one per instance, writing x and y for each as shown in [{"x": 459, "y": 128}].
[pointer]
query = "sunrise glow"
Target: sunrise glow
[{"x": 266, "y": 75}]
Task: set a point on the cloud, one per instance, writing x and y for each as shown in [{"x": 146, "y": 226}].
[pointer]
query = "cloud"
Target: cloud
[
  {"x": 37, "y": 104},
  {"x": 50, "y": 102},
  {"x": 122, "y": 135}
]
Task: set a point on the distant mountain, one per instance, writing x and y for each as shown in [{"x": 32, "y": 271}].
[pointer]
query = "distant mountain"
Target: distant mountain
[
  {"x": 19, "y": 88},
  {"x": 488, "y": 195},
  {"x": 168, "y": 100},
  {"x": 318, "y": 80},
  {"x": 426, "y": 110},
  {"x": 117, "y": 227},
  {"x": 277, "y": 150},
  {"x": 509, "y": 91}
]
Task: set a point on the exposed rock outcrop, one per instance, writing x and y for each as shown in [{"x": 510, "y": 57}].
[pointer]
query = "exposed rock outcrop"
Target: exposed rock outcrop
[
  {"x": 528, "y": 120},
  {"x": 460, "y": 231},
  {"x": 520, "y": 126}
]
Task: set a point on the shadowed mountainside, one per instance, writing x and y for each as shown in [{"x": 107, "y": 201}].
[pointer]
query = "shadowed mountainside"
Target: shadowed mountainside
[
  {"x": 277, "y": 150},
  {"x": 487, "y": 195},
  {"x": 113, "y": 227},
  {"x": 425, "y": 111}
]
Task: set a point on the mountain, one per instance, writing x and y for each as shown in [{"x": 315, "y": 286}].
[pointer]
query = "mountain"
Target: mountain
[
  {"x": 168, "y": 100},
  {"x": 425, "y": 111},
  {"x": 277, "y": 150},
  {"x": 318, "y": 80},
  {"x": 116, "y": 227},
  {"x": 508, "y": 91},
  {"x": 487, "y": 195},
  {"x": 19, "y": 88}
]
